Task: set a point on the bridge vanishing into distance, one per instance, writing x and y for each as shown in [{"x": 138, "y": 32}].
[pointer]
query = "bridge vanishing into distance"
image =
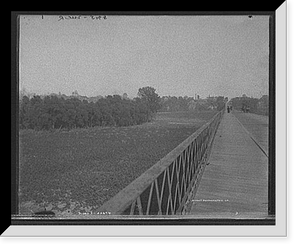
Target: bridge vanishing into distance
[
  {"x": 220, "y": 171},
  {"x": 236, "y": 179}
]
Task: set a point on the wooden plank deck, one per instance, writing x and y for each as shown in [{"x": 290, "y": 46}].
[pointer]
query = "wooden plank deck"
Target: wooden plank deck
[
  {"x": 257, "y": 126},
  {"x": 235, "y": 183}
]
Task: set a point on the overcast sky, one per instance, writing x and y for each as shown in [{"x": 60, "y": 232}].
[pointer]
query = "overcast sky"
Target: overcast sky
[{"x": 177, "y": 55}]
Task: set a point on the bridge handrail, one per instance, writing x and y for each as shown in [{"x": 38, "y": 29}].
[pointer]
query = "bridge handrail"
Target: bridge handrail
[{"x": 167, "y": 186}]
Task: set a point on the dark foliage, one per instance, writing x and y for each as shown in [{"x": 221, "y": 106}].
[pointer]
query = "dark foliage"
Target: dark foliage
[
  {"x": 175, "y": 104},
  {"x": 252, "y": 105},
  {"x": 54, "y": 112}
]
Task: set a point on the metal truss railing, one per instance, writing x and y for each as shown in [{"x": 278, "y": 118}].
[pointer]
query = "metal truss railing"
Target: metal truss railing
[{"x": 168, "y": 186}]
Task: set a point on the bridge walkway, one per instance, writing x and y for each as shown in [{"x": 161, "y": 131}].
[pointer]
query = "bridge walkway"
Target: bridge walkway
[{"x": 235, "y": 182}]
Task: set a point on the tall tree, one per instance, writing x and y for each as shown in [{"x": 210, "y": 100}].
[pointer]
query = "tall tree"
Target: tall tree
[{"x": 149, "y": 95}]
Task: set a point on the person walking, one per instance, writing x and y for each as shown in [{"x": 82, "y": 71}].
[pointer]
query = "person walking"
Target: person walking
[{"x": 228, "y": 109}]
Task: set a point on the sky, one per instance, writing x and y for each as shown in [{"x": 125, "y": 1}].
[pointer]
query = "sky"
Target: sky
[{"x": 177, "y": 55}]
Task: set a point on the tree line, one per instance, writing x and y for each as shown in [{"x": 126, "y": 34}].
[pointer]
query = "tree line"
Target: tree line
[
  {"x": 252, "y": 105},
  {"x": 53, "y": 112},
  {"x": 174, "y": 103}
]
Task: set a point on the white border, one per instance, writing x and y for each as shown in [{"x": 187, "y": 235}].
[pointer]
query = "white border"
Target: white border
[
  {"x": 212, "y": 231},
  {"x": 281, "y": 117}
]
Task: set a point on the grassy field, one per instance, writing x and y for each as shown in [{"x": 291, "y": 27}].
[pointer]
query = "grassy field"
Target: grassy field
[{"x": 71, "y": 172}]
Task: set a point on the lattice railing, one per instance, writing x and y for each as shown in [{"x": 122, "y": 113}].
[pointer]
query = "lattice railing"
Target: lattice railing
[{"x": 168, "y": 186}]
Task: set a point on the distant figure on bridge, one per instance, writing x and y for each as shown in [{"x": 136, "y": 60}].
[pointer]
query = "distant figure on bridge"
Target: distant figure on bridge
[{"x": 228, "y": 109}]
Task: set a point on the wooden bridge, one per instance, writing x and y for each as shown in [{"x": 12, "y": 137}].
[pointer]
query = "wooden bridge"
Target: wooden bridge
[
  {"x": 221, "y": 171},
  {"x": 235, "y": 182}
]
